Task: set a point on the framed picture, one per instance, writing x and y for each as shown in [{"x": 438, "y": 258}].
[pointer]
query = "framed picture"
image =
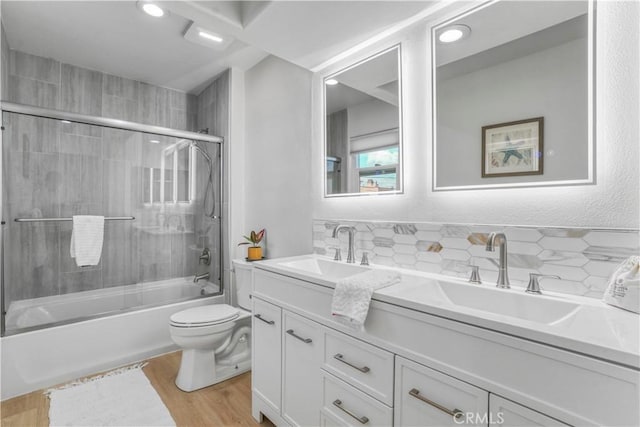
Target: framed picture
[{"x": 513, "y": 148}]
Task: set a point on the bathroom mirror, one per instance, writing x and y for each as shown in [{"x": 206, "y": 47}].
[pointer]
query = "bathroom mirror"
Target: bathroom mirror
[
  {"x": 363, "y": 132},
  {"x": 513, "y": 90}
]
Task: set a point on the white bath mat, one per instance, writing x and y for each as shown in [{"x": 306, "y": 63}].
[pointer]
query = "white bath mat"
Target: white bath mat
[{"x": 123, "y": 397}]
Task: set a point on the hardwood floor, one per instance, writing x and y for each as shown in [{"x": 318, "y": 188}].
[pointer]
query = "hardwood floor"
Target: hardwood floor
[{"x": 224, "y": 404}]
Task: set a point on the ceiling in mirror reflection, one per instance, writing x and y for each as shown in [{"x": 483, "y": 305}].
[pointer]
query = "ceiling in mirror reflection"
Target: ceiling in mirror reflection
[
  {"x": 521, "y": 60},
  {"x": 362, "y": 106}
]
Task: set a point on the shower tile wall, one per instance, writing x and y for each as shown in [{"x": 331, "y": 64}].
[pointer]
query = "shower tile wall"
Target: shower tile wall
[
  {"x": 4, "y": 61},
  {"x": 53, "y": 169},
  {"x": 213, "y": 114},
  {"x": 583, "y": 257}
]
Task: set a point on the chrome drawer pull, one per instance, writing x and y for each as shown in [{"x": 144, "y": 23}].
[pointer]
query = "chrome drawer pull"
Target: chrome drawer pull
[
  {"x": 269, "y": 322},
  {"x": 339, "y": 357},
  {"x": 362, "y": 419},
  {"x": 305, "y": 340},
  {"x": 456, "y": 413}
]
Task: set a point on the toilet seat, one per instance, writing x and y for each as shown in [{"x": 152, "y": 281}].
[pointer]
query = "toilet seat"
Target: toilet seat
[{"x": 207, "y": 315}]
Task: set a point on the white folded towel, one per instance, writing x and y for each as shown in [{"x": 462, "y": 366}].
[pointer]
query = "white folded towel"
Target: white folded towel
[
  {"x": 352, "y": 295},
  {"x": 87, "y": 236},
  {"x": 623, "y": 289}
]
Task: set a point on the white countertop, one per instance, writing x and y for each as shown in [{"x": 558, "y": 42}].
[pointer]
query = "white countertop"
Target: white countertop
[{"x": 592, "y": 328}]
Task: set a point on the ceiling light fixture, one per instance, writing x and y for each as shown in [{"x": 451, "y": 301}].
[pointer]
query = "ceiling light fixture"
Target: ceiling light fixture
[
  {"x": 331, "y": 82},
  {"x": 151, "y": 9},
  {"x": 454, "y": 33},
  {"x": 154, "y": 141},
  {"x": 211, "y": 37},
  {"x": 66, "y": 122},
  {"x": 199, "y": 34}
]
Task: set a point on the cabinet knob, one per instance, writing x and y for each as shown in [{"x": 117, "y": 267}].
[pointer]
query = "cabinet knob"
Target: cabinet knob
[
  {"x": 304, "y": 340},
  {"x": 270, "y": 322},
  {"x": 455, "y": 413},
  {"x": 338, "y": 403},
  {"x": 340, "y": 358}
]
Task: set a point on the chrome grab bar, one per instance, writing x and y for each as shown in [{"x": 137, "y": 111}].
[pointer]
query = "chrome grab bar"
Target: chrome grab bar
[
  {"x": 338, "y": 403},
  {"x": 269, "y": 322},
  {"x": 106, "y": 218},
  {"x": 456, "y": 413},
  {"x": 304, "y": 340},
  {"x": 340, "y": 358}
]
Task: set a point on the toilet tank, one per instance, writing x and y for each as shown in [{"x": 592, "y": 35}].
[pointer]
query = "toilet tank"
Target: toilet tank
[{"x": 242, "y": 283}]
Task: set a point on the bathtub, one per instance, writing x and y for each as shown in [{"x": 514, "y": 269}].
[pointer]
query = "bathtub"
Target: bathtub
[
  {"x": 57, "y": 309},
  {"x": 48, "y": 356}
]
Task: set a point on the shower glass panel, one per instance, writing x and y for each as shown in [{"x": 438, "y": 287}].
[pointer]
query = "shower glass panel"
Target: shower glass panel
[{"x": 154, "y": 184}]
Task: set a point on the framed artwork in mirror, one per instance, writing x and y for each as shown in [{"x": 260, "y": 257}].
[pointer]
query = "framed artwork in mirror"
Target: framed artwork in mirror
[
  {"x": 539, "y": 63},
  {"x": 513, "y": 148}
]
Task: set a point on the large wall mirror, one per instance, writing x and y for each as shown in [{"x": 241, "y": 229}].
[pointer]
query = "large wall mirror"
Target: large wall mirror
[
  {"x": 513, "y": 88},
  {"x": 363, "y": 137}
]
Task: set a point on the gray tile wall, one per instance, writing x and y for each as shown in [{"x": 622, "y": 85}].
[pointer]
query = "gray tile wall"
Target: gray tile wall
[
  {"x": 213, "y": 113},
  {"x": 583, "y": 257},
  {"x": 53, "y": 169},
  {"x": 45, "y": 82},
  {"x": 4, "y": 61}
]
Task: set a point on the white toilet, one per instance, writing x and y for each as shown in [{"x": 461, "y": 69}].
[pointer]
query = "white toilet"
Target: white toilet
[{"x": 215, "y": 339}]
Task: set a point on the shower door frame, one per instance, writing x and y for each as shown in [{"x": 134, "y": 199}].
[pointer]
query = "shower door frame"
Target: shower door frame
[{"x": 106, "y": 122}]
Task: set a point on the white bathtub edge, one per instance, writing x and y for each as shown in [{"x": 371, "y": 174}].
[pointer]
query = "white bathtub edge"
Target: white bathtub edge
[{"x": 47, "y": 357}]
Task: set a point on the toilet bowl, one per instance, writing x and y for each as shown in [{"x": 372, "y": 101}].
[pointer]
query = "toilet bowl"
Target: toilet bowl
[{"x": 215, "y": 339}]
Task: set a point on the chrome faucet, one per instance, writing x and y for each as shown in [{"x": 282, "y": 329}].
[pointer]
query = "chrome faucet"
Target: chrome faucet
[
  {"x": 503, "y": 273},
  {"x": 352, "y": 232},
  {"x": 198, "y": 277}
]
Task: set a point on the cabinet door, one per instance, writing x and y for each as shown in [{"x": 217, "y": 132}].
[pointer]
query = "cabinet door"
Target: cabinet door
[
  {"x": 267, "y": 351},
  {"x": 302, "y": 387},
  {"x": 425, "y": 397},
  {"x": 510, "y": 414}
]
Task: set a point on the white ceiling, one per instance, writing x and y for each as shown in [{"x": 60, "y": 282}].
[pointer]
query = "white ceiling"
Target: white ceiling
[{"x": 117, "y": 38}]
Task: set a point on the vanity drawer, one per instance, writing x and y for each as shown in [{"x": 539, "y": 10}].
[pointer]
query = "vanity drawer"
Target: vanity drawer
[
  {"x": 362, "y": 365},
  {"x": 425, "y": 397},
  {"x": 350, "y": 406}
]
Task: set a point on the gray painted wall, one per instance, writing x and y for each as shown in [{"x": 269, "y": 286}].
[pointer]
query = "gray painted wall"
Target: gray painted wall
[
  {"x": 277, "y": 155},
  {"x": 550, "y": 84}
]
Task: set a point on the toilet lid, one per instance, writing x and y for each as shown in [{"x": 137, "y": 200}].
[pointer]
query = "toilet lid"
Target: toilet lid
[{"x": 205, "y": 315}]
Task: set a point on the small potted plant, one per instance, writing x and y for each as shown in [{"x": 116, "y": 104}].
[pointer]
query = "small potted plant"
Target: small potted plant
[{"x": 254, "y": 251}]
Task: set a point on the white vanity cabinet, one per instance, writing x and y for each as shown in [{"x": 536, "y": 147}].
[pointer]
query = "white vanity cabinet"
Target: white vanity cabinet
[
  {"x": 412, "y": 368},
  {"x": 510, "y": 414},
  {"x": 302, "y": 382},
  {"x": 425, "y": 397},
  {"x": 266, "y": 357}
]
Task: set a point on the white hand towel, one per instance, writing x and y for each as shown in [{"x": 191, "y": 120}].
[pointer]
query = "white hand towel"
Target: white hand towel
[
  {"x": 623, "y": 290},
  {"x": 352, "y": 295},
  {"x": 87, "y": 236}
]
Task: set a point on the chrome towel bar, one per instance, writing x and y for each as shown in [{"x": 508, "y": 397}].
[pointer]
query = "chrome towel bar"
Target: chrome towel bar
[{"x": 106, "y": 218}]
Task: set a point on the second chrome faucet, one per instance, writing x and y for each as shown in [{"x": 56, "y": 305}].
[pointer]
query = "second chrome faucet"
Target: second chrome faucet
[
  {"x": 352, "y": 232},
  {"x": 503, "y": 272}
]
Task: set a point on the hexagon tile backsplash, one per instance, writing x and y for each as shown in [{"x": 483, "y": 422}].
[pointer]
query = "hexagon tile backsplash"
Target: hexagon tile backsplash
[{"x": 584, "y": 258}]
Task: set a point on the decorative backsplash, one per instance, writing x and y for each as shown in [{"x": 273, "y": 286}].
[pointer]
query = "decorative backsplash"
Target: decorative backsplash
[{"x": 584, "y": 258}]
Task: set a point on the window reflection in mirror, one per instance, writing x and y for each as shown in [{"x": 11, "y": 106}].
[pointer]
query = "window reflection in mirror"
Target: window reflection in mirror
[
  {"x": 363, "y": 147},
  {"x": 516, "y": 65},
  {"x": 169, "y": 178}
]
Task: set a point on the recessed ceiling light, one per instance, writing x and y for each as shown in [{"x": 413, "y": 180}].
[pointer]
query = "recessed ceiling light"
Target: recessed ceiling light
[
  {"x": 154, "y": 141},
  {"x": 211, "y": 37},
  {"x": 151, "y": 9},
  {"x": 66, "y": 122},
  {"x": 453, "y": 33},
  {"x": 331, "y": 82}
]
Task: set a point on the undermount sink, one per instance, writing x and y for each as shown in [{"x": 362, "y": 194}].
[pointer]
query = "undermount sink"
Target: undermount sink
[
  {"x": 510, "y": 303},
  {"x": 330, "y": 270}
]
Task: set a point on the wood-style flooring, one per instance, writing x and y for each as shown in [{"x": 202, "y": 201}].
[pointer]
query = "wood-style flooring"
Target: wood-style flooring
[{"x": 224, "y": 404}]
